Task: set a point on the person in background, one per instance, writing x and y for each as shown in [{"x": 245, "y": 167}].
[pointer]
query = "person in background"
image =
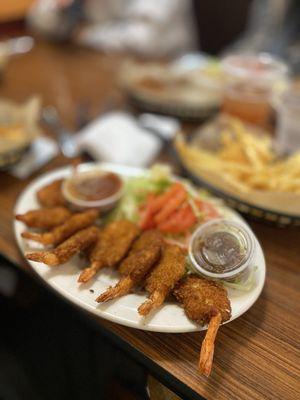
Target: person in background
[
  {"x": 154, "y": 28},
  {"x": 168, "y": 27}
]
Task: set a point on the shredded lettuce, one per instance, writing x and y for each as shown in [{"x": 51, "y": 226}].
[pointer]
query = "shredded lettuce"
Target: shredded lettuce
[
  {"x": 240, "y": 283},
  {"x": 198, "y": 214},
  {"x": 156, "y": 180},
  {"x": 245, "y": 285}
]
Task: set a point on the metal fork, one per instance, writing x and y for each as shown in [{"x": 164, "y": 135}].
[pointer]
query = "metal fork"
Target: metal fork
[{"x": 64, "y": 137}]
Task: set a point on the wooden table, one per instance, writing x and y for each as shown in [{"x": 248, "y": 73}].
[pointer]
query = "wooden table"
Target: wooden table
[{"x": 257, "y": 356}]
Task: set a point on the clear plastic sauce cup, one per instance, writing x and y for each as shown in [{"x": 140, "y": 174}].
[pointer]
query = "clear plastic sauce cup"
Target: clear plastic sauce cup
[{"x": 222, "y": 249}]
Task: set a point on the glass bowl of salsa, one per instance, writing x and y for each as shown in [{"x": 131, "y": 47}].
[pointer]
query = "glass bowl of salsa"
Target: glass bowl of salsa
[{"x": 93, "y": 189}]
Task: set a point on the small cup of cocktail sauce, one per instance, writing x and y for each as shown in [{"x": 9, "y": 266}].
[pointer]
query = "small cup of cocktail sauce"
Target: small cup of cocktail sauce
[
  {"x": 222, "y": 249},
  {"x": 93, "y": 189}
]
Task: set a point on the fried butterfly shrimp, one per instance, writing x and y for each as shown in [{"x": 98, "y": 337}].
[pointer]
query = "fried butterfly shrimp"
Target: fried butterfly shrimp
[
  {"x": 163, "y": 278},
  {"x": 112, "y": 246},
  {"x": 51, "y": 194},
  {"x": 146, "y": 238},
  {"x": 142, "y": 262},
  {"x": 204, "y": 302},
  {"x": 76, "y": 243},
  {"x": 44, "y": 218},
  {"x": 62, "y": 232}
]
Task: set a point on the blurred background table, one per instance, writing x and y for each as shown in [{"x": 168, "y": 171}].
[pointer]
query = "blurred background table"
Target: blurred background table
[{"x": 257, "y": 356}]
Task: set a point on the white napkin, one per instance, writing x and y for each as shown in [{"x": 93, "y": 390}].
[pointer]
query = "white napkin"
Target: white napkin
[
  {"x": 118, "y": 138},
  {"x": 166, "y": 127}
]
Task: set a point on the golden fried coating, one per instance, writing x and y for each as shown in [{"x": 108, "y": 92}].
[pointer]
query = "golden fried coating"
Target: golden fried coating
[
  {"x": 51, "y": 195},
  {"x": 202, "y": 298},
  {"x": 205, "y": 302},
  {"x": 142, "y": 262},
  {"x": 163, "y": 278},
  {"x": 112, "y": 246},
  {"x": 45, "y": 218},
  {"x": 148, "y": 237},
  {"x": 62, "y": 232},
  {"x": 80, "y": 241}
]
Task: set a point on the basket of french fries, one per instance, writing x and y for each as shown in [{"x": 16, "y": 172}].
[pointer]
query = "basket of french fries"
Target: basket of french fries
[{"x": 240, "y": 164}]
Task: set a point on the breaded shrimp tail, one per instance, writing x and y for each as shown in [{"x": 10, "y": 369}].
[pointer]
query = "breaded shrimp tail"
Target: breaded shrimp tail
[
  {"x": 44, "y": 238},
  {"x": 62, "y": 232},
  {"x": 46, "y": 257},
  {"x": 78, "y": 242},
  {"x": 141, "y": 262},
  {"x": 112, "y": 246},
  {"x": 156, "y": 299},
  {"x": 208, "y": 346},
  {"x": 51, "y": 194},
  {"x": 123, "y": 287},
  {"x": 204, "y": 301},
  {"x": 89, "y": 272},
  {"x": 44, "y": 218},
  {"x": 163, "y": 278}
]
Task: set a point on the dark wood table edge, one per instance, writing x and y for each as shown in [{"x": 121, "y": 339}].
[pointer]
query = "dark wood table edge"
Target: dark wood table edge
[{"x": 164, "y": 376}]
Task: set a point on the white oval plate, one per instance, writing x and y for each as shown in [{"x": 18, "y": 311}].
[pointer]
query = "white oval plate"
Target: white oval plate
[{"x": 169, "y": 318}]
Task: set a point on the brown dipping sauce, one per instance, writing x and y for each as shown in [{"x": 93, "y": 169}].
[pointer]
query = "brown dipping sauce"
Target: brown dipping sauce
[
  {"x": 95, "y": 186},
  {"x": 221, "y": 251}
]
